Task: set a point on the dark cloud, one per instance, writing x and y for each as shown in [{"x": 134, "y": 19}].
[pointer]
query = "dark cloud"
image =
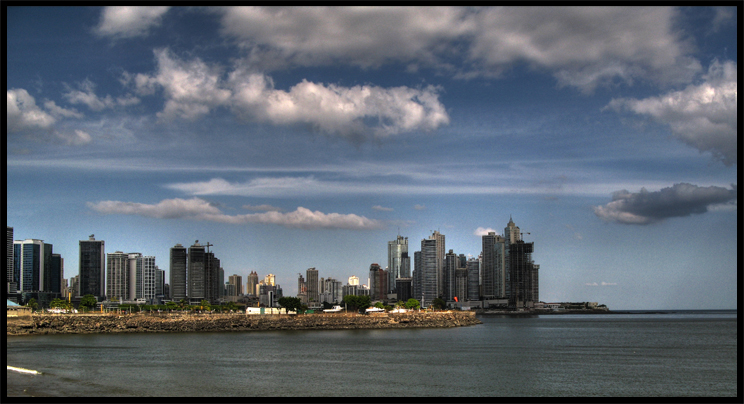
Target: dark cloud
[{"x": 677, "y": 201}]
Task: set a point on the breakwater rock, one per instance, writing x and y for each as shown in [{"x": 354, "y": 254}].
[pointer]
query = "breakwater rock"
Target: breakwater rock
[{"x": 113, "y": 323}]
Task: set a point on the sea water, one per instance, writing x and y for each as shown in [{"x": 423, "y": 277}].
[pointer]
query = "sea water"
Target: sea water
[{"x": 618, "y": 355}]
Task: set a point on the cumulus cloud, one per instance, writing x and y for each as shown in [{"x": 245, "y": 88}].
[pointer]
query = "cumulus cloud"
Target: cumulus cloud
[
  {"x": 347, "y": 111},
  {"x": 193, "y": 88},
  {"x": 703, "y": 116},
  {"x": 85, "y": 94},
  {"x": 199, "y": 209},
  {"x": 24, "y": 114},
  {"x": 382, "y": 208},
  {"x": 646, "y": 207},
  {"x": 262, "y": 208},
  {"x": 129, "y": 21},
  {"x": 60, "y": 112},
  {"x": 582, "y": 46},
  {"x": 483, "y": 231}
]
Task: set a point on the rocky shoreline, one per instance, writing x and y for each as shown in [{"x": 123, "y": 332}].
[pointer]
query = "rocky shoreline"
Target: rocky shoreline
[{"x": 139, "y": 323}]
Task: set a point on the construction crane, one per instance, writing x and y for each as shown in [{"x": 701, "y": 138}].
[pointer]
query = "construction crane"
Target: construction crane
[{"x": 208, "y": 245}]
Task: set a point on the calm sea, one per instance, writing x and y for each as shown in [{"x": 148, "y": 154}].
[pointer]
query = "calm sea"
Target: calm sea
[{"x": 639, "y": 354}]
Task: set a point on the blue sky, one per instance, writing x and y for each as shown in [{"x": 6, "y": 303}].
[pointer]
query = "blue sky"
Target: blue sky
[{"x": 310, "y": 137}]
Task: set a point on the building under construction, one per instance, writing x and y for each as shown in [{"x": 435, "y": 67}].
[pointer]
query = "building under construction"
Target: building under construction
[{"x": 523, "y": 276}]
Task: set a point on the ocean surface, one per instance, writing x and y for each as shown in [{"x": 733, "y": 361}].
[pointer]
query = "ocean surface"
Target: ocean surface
[{"x": 691, "y": 353}]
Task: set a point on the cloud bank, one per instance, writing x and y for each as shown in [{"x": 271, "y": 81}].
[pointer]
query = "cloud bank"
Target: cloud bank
[
  {"x": 703, "y": 116},
  {"x": 483, "y": 231},
  {"x": 680, "y": 200},
  {"x": 199, "y": 209}
]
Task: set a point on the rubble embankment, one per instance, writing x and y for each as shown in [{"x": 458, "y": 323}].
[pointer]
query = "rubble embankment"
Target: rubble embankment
[{"x": 138, "y": 323}]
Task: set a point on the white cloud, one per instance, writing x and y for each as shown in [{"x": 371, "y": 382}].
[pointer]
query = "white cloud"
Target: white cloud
[
  {"x": 483, "y": 231},
  {"x": 704, "y": 116},
  {"x": 646, "y": 207},
  {"x": 382, "y": 208},
  {"x": 60, "y": 112},
  {"x": 419, "y": 207},
  {"x": 129, "y": 21},
  {"x": 86, "y": 95},
  {"x": 600, "y": 284},
  {"x": 582, "y": 46},
  {"x": 199, "y": 209},
  {"x": 262, "y": 208},
  {"x": 347, "y": 111},
  {"x": 24, "y": 114}
]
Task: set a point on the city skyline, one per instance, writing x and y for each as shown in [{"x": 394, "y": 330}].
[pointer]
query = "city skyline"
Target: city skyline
[{"x": 311, "y": 138}]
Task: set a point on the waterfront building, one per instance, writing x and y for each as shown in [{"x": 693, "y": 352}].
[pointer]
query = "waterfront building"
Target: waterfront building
[
  {"x": 160, "y": 293},
  {"x": 146, "y": 278},
  {"x": 512, "y": 234},
  {"x": 74, "y": 286},
  {"x": 426, "y": 271},
  {"x": 92, "y": 269},
  {"x": 196, "y": 273},
  {"x": 32, "y": 260},
  {"x": 473, "y": 268},
  {"x": 494, "y": 266},
  {"x": 399, "y": 264},
  {"x": 461, "y": 284},
  {"x": 302, "y": 289},
  {"x": 332, "y": 290},
  {"x": 213, "y": 281},
  {"x": 237, "y": 281},
  {"x": 178, "y": 271},
  {"x": 523, "y": 275},
  {"x": 440, "y": 255},
  {"x": 450, "y": 266},
  {"x": 57, "y": 275},
  {"x": 378, "y": 282},
  {"x": 312, "y": 287},
  {"x": 10, "y": 279},
  {"x": 252, "y": 283},
  {"x": 117, "y": 276},
  {"x": 404, "y": 289}
]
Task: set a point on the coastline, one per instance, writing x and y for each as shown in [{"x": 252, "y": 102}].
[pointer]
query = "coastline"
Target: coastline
[{"x": 139, "y": 323}]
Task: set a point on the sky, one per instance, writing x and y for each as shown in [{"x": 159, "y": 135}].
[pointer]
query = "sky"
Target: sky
[{"x": 292, "y": 138}]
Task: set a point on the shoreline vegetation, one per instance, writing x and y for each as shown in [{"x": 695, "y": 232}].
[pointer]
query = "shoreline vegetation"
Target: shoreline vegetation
[{"x": 44, "y": 324}]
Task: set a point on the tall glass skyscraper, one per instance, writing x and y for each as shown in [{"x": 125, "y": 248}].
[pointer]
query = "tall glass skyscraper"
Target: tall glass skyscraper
[
  {"x": 399, "y": 263},
  {"x": 197, "y": 273},
  {"x": 32, "y": 261},
  {"x": 178, "y": 259},
  {"x": 92, "y": 269}
]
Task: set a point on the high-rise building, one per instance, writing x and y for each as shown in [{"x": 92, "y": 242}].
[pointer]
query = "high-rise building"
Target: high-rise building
[
  {"x": 427, "y": 271},
  {"x": 312, "y": 286},
  {"x": 236, "y": 282},
  {"x": 10, "y": 280},
  {"x": 92, "y": 268},
  {"x": 147, "y": 279},
  {"x": 493, "y": 270},
  {"x": 213, "y": 281},
  {"x": 440, "y": 256},
  {"x": 450, "y": 266},
  {"x": 523, "y": 275},
  {"x": 473, "y": 266},
  {"x": 404, "y": 289},
  {"x": 32, "y": 260},
  {"x": 302, "y": 289},
  {"x": 378, "y": 282},
  {"x": 251, "y": 283},
  {"x": 178, "y": 271},
  {"x": 512, "y": 234},
  {"x": 117, "y": 276},
  {"x": 399, "y": 264},
  {"x": 196, "y": 274},
  {"x": 461, "y": 284},
  {"x": 57, "y": 275},
  {"x": 353, "y": 280},
  {"x": 160, "y": 285},
  {"x": 270, "y": 279}
]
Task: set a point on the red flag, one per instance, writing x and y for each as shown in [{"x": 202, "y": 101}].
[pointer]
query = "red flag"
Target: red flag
[{"x": 456, "y": 299}]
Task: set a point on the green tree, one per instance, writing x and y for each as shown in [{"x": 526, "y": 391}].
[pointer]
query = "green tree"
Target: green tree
[
  {"x": 171, "y": 305},
  {"x": 231, "y": 306},
  {"x": 88, "y": 301},
  {"x": 32, "y": 304},
  {"x": 379, "y": 305},
  {"x": 439, "y": 304},
  {"x": 204, "y": 305},
  {"x": 412, "y": 304},
  {"x": 291, "y": 304}
]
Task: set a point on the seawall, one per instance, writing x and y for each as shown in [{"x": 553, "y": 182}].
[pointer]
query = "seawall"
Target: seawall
[{"x": 134, "y": 323}]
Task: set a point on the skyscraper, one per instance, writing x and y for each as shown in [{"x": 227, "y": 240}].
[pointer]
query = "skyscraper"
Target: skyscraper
[
  {"x": 147, "y": 279},
  {"x": 399, "y": 264},
  {"x": 440, "y": 253},
  {"x": 512, "y": 234},
  {"x": 450, "y": 266},
  {"x": 312, "y": 286},
  {"x": 523, "y": 275},
  {"x": 32, "y": 260},
  {"x": 10, "y": 280},
  {"x": 237, "y": 282},
  {"x": 427, "y": 271},
  {"x": 196, "y": 274},
  {"x": 117, "y": 276},
  {"x": 57, "y": 274},
  {"x": 494, "y": 266},
  {"x": 378, "y": 282},
  {"x": 251, "y": 283},
  {"x": 92, "y": 268},
  {"x": 213, "y": 282},
  {"x": 473, "y": 266},
  {"x": 178, "y": 270}
]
